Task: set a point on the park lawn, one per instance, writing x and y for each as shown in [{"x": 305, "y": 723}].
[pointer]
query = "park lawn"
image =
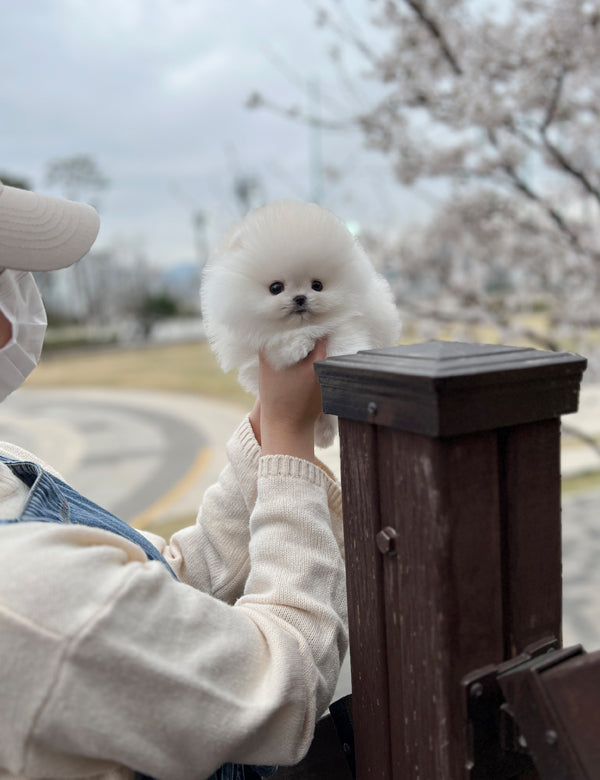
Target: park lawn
[{"x": 186, "y": 368}]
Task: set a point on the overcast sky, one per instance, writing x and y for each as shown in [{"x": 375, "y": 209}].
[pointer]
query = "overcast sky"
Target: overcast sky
[{"x": 154, "y": 91}]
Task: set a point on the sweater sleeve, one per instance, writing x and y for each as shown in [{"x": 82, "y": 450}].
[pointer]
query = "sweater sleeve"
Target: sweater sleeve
[
  {"x": 180, "y": 681},
  {"x": 299, "y": 533},
  {"x": 212, "y": 555}
]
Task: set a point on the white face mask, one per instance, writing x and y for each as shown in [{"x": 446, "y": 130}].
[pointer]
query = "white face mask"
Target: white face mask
[{"x": 21, "y": 303}]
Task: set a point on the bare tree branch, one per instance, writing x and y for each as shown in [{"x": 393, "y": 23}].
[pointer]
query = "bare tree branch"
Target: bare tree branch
[
  {"x": 346, "y": 31},
  {"x": 523, "y": 187},
  {"x": 529, "y": 193},
  {"x": 554, "y": 101},
  {"x": 577, "y": 173},
  {"x": 554, "y": 151},
  {"x": 256, "y": 100},
  {"x": 437, "y": 33}
]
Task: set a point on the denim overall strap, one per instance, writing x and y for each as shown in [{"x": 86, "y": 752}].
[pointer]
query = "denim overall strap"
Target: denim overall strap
[
  {"x": 53, "y": 501},
  {"x": 233, "y": 772},
  {"x": 242, "y": 772}
]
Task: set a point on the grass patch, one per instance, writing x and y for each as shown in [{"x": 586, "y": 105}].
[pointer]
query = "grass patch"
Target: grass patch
[
  {"x": 581, "y": 482},
  {"x": 185, "y": 368}
]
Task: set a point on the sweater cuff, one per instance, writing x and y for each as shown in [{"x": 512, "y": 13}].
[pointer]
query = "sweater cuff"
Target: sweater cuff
[
  {"x": 243, "y": 452},
  {"x": 242, "y": 446},
  {"x": 290, "y": 466},
  {"x": 286, "y": 467}
]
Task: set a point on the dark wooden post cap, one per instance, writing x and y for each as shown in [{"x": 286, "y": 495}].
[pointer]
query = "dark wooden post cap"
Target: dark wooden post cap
[{"x": 443, "y": 388}]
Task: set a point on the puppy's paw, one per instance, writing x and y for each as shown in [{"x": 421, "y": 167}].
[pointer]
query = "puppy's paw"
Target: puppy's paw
[
  {"x": 348, "y": 341},
  {"x": 325, "y": 430},
  {"x": 289, "y": 350}
]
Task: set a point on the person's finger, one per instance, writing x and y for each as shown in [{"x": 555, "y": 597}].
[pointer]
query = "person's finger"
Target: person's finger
[{"x": 320, "y": 350}]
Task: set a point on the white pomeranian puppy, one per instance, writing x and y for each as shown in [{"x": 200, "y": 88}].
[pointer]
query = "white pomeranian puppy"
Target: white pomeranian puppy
[{"x": 286, "y": 275}]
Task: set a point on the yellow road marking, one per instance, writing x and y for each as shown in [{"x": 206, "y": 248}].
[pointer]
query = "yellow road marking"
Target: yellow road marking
[{"x": 149, "y": 515}]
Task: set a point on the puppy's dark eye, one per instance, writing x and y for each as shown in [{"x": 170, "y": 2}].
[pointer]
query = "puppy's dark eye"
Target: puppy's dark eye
[
  {"x": 317, "y": 285},
  {"x": 276, "y": 288}
]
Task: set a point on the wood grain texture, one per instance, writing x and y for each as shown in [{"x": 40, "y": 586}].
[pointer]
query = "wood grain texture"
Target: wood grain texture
[
  {"x": 531, "y": 530},
  {"x": 366, "y": 609},
  {"x": 442, "y": 590}
]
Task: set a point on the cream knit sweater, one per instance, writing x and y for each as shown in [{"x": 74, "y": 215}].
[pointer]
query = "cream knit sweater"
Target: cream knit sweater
[{"x": 109, "y": 665}]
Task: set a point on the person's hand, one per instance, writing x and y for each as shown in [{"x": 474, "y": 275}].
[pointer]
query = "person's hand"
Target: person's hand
[
  {"x": 289, "y": 402},
  {"x": 255, "y": 419}
]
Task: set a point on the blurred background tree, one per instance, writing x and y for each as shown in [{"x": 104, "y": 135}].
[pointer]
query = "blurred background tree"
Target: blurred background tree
[
  {"x": 153, "y": 308},
  {"x": 78, "y": 177},
  {"x": 11, "y": 180}
]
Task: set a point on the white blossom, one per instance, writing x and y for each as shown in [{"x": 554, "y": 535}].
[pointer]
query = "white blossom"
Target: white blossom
[{"x": 504, "y": 104}]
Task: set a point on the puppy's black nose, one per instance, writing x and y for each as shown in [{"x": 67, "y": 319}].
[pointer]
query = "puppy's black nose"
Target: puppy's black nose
[{"x": 300, "y": 300}]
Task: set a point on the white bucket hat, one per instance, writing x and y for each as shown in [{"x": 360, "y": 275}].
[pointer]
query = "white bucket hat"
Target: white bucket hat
[{"x": 43, "y": 233}]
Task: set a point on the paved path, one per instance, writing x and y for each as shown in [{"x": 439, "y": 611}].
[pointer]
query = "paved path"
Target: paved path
[
  {"x": 144, "y": 456},
  {"x": 581, "y": 570}
]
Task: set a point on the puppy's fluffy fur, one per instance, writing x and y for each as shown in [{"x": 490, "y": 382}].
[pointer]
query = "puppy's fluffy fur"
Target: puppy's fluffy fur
[{"x": 288, "y": 274}]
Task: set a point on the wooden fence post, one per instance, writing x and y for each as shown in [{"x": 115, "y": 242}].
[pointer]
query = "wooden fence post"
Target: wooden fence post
[{"x": 451, "y": 490}]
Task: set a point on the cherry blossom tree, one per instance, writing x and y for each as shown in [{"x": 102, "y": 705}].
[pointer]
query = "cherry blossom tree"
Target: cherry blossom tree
[{"x": 497, "y": 104}]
